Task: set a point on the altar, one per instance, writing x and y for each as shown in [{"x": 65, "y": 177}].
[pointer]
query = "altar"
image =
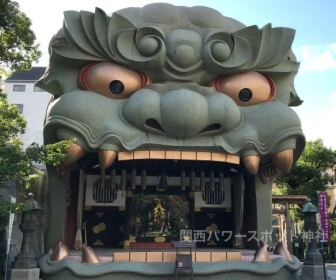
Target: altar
[{"x": 154, "y": 215}]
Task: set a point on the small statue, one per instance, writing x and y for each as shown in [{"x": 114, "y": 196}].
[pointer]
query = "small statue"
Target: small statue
[
  {"x": 32, "y": 203},
  {"x": 160, "y": 217},
  {"x": 138, "y": 225}
]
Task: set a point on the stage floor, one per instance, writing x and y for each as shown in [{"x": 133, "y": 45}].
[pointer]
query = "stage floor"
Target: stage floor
[{"x": 169, "y": 255}]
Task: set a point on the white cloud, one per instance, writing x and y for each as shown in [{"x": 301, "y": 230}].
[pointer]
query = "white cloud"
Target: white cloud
[
  {"x": 316, "y": 57},
  {"x": 333, "y": 98},
  {"x": 318, "y": 123}
]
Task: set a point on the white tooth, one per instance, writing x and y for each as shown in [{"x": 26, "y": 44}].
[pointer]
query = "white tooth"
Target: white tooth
[
  {"x": 74, "y": 153},
  {"x": 281, "y": 249},
  {"x": 251, "y": 163},
  {"x": 106, "y": 158},
  {"x": 59, "y": 251},
  {"x": 89, "y": 255},
  {"x": 261, "y": 254},
  {"x": 283, "y": 160}
]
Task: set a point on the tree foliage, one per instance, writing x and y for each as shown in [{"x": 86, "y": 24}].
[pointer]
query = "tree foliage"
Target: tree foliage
[
  {"x": 13, "y": 163},
  {"x": 16, "y": 163},
  {"x": 17, "y": 52},
  {"x": 17, "y": 41},
  {"x": 311, "y": 173},
  {"x": 333, "y": 229}
]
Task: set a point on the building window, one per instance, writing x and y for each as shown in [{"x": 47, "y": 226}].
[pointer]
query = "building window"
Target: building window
[
  {"x": 19, "y": 87},
  {"x": 37, "y": 89},
  {"x": 20, "y": 107}
]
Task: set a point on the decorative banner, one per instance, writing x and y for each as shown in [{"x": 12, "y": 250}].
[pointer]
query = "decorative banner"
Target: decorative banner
[
  {"x": 10, "y": 228},
  {"x": 324, "y": 217},
  {"x": 10, "y": 225},
  {"x": 9, "y": 236}
]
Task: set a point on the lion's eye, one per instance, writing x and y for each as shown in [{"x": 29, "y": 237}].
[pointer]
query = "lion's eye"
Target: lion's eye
[
  {"x": 111, "y": 80},
  {"x": 247, "y": 88},
  {"x": 117, "y": 87},
  {"x": 245, "y": 95}
]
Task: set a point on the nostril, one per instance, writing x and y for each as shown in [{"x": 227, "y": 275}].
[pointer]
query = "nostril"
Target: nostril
[
  {"x": 211, "y": 128},
  {"x": 154, "y": 124}
]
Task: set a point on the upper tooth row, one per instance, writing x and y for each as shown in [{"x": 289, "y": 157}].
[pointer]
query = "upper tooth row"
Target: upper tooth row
[
  {"x": 107, "y": 157},
  {"x": 178, "y": 155},
  {"x": 282, "y": 160}
]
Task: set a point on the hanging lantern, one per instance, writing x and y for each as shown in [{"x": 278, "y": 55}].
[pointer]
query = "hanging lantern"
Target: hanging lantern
[
  {"x": 221, "y": 186},
  {"x": 192, "y": 181},
  {"x": 202, "y": 181},
  {"x": 212, "y": 181},
  {"x": 133, "y": 183},
  {"x": 102, "y": 178},
  {"x": 143, "y": 179},
  {"x": 183, "y": 180},
  {"x": 123, "y": 179},
  {"x": 113, "y": 179}
]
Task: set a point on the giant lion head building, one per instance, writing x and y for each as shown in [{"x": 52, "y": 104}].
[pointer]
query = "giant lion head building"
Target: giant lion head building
[{"x": 180, "y": 118}]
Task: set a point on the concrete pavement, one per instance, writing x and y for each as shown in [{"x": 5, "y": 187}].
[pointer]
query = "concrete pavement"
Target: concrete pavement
[{"x": 331, "y": 270}]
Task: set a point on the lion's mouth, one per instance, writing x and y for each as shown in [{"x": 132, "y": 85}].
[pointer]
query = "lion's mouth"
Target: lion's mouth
[{"x": 175, "y": 162}]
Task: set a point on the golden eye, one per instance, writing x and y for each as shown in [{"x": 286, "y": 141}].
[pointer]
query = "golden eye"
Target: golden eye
[
  {"x": 111, "y": 80},
  {"x": 249, "y": 88}
]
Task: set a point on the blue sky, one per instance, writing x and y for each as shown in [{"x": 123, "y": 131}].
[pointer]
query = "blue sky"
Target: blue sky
[{"x": 314, "y": 44}]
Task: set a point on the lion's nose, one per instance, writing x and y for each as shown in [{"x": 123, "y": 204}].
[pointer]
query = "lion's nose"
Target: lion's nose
[
  {"x": 181, "y": 113},
  {"x": 184, "y": 113}
]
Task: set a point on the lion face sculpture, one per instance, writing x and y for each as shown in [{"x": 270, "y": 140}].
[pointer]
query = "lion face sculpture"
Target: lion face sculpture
[
  {"x": 167, "y": 78},
  {"x": 178, "y": 90}
]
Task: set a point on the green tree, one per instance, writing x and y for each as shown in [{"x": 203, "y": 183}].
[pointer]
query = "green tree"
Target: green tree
[
  {"x": 17, "y": 41},
  {"x": 17, "y": 52},
  {"x": 310, "y": 173},
  {"x": 16, "y": 163},
  {"x": 333, "y": 230}
]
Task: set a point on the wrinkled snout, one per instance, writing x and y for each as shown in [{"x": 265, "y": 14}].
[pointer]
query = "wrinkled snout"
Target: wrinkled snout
[{"x": 181, "y": 113}]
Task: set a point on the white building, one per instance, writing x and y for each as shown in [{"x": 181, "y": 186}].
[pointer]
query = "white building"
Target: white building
[{"x": 31, "y": 101}]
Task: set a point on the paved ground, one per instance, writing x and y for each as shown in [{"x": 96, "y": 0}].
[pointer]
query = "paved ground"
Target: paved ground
[{"x": 331, "y": 270}]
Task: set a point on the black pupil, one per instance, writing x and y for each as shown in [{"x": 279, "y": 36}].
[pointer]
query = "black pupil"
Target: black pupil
[
  {"x": 245, "y": 94},
  {"x": 116, "y": 87}
]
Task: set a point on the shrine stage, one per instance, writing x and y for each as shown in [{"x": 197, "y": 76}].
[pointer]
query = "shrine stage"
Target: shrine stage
[
  {"x": 144, "y": 264},
  {"x": 168, "y": 255}
]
